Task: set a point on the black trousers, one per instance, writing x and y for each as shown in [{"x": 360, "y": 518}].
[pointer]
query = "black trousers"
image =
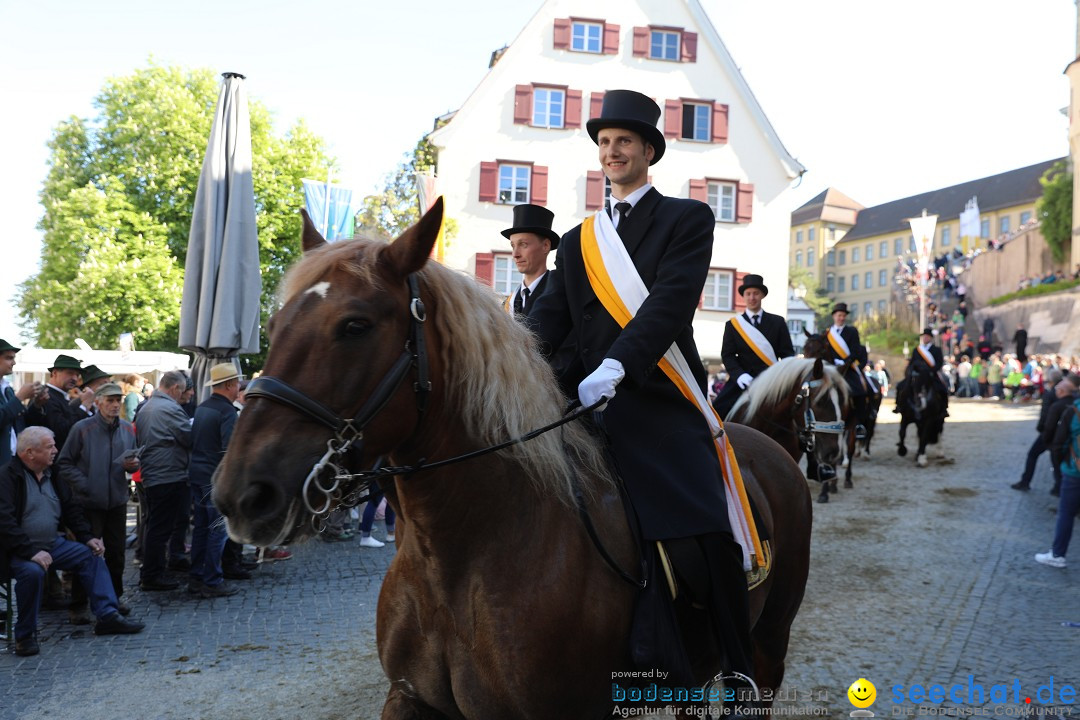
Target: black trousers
[
  {"x": 111, "y": 526},
  {"x": 164, "y": 503}
]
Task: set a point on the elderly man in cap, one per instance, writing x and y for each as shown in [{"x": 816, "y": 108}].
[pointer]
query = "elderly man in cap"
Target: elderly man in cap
[
  {"x": 660, "y": 247},
  {"x": 531, "y": 240},
  {"x": 12, "y": 407},
  {"x": 210, "y": 433},
  {"x": 850, "y": 361},
  {"x": 99, "y": 452},
  {"x": 52, "y": 408},
  {"x": 753, "y": 341},
  {"x": 34, "y": 506}
]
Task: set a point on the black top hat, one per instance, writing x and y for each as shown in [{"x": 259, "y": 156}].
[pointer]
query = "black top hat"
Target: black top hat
[
  {"x": 753, "y": 281},
  {"x": 927, "y": 331},
  {"x": 632, "y": 111},
  {"x": 66, "y": 362},
  {"x": 533, "y": 219},
  {"x": 5, "y": 346},
  {"x": 840, "y": 307},
  {"x": 90, "y": 373}
]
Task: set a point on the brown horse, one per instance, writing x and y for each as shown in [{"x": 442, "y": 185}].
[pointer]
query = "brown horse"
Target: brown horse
[
  {"x": 497, "y": 604},
  {"x": 802, "y": 404}
]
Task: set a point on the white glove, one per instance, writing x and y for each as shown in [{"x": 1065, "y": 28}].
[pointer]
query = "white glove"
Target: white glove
[
  {"x": 601, "y": 383},
  {"x": 838, "y": 362},
  {"x": 744, "y": 380}
]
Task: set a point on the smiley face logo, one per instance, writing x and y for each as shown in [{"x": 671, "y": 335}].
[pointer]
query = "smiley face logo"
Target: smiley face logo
[{"x": 862, "y": 693}]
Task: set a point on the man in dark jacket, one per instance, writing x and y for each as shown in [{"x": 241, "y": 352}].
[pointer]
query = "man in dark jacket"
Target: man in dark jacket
[
  {"x": 95, "y": 460},
  {"x": 1055, "y": 433},
  {"x": 531, "y": 240},
  {"x": 33, "y": 507},
  {"x": 12, "y": 409},
  {"x": 1020, "y": 338},
  {"x": 850, "y": 360},
  {"x": 753, "y": 341},
  {"x": 210, "y": 434},
  {"x": 53, "y": 409}
]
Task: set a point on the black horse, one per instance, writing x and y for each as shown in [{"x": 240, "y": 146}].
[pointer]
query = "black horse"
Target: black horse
[{"x": 925, "y": 405}]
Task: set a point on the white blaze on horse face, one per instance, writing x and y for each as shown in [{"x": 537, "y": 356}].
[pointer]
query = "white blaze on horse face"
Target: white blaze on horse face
[{"x": 319, "y": 288}]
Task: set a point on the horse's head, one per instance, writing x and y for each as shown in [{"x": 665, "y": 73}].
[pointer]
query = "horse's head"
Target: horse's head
[
  {"x": 344, "y": 327},
  {"x": 816, "y": 346}
]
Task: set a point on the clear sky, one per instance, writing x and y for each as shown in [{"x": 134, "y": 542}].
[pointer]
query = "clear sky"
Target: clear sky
[{"x": 879, "y": 99}]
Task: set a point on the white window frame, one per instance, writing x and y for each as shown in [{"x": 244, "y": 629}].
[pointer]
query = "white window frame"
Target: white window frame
[
  {"x": 665, "y": 44},
  {"x": 581, "y": 37},
  {"x": 505, "y": 277},
  {"x": 702, "y": 123},
  {"x": 715, "y": 296},
  {"x": 543, "y": 114},
  {"x": 798, "y": 258},
  {"x": 854, "y": 255},
  {"x": 854, "y": 282},
  {"x": 721, "y": 197},
  {"x": 508, "y": 183},
  {"x": 883, "y": 249},
  {"x": 883, "y": 277},
  {"x": 810, "y": 257},
  {"x": 868, "y": 280},
  {"x": 869, "y": 252}
]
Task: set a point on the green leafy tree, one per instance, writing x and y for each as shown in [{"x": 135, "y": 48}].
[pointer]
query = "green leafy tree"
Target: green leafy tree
[
  {"x": 1054, "y": 209},
  {"x": 144, "y": 151},
  {"x": 815, "y": 299},
  {"x": 390, "y": 212}
]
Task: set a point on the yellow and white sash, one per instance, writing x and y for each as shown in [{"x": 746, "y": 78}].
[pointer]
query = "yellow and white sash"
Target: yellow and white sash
[
  {"x": 620, "y": 289},
  {"x": 508, "y": 304},
  {"x": 927, "y": 356},
  {"x": 839, "y": 345},
  {"x": 753, "y": 338}
]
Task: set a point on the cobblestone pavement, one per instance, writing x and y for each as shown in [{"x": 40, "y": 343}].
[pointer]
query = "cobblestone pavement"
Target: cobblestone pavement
[{"x": 918, "y": 576}]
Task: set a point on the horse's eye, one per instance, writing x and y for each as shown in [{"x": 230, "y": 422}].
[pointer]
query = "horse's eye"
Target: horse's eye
[{"x": 356, "y": 328}]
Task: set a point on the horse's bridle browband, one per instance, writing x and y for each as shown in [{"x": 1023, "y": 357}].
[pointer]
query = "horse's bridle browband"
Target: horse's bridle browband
[{"x": 349, "y": 431}]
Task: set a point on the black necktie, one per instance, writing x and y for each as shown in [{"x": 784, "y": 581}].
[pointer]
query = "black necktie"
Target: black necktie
[
  {"x": 624, "y": 210},
  {"x": 519, "y": 301},
  {"x": 757, "y": 321}
]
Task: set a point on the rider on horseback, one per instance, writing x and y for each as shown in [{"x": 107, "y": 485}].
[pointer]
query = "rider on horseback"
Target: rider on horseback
[
  {"x": 927, "y": 361},
  {"x": 850, "y": 361}
]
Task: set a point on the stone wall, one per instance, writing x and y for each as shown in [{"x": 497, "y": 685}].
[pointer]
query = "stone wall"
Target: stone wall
[
  {"x": 1052, "y": 322},
  {"x": 996, "y": 273}
]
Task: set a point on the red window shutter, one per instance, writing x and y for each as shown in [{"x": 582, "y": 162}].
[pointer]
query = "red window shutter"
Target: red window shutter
[
  {"x": 573, "y": 109},
  {"x": 738, "y": 303},
  {"x": 539, "y": 185},
  {"x": 596, "y": 104},
  {"x": 562, "y": 33},
  {"x": 641, "y": 42},
  {"x": 744, "y": 206},
  {"x": 672, "y": 118},
  {"x": 699, "y": 190},
  {"x": 523, "y": 104},
  {"x": 689, "y": 47},
  {"x": 485, "y": 268},
  {"x": 611, "y": 39},
  {"x": 594, "y": 190},
  {"x": 719, "y": 123},
  {"x": 489, "y": 181}
]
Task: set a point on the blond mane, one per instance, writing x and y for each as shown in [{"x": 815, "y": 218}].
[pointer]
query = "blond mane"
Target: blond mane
[
  {"x": 771, "y": 386},
  {"x": 494, "y": 376}
]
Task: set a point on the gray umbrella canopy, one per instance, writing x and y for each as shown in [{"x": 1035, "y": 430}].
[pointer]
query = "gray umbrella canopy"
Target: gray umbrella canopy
[{"x": 219, "y": 313}]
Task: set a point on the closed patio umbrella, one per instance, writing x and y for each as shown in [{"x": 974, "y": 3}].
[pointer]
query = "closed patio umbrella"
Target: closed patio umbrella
[{"x": 219, "y": 313}]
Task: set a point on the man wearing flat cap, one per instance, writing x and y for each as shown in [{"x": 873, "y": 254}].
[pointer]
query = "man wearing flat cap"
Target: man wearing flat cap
[
  {"x": 531, "y": 240},
  {"x": 53, "y": 409},
  {"x": 98, "y": 454},
  {"x": 753, "y": 341},
  {"x": 624, "y": 292},
  {"x": 12, "y": 409}
]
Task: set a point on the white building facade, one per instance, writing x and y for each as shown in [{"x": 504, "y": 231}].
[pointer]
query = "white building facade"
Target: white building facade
[{"x": 520, "y": 137}]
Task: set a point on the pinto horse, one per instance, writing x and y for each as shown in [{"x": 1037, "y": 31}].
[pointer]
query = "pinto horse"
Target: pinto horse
[
  {"x": 497, "y": 603},
  {"x": 925, "y": 407},
  {"x": 802, "y": 404}
]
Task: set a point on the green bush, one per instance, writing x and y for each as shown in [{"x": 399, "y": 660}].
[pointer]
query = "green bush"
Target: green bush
[{"x": 1035, "y": 290}]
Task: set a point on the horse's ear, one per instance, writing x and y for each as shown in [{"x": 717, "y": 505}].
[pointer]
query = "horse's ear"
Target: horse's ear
[
  {"x": 807, "y": 333},
  {"x": 819, "y": 369},
  {"x": 412, "y": 248},
  {"x": 311, "y": 238}
]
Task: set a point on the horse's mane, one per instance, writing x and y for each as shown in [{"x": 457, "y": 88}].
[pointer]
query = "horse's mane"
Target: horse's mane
[
  {"x": 495, "y": 378},
  {"x": 771, "y": 386}
]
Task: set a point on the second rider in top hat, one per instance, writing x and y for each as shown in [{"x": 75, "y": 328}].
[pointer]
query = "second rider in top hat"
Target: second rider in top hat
[{"x": 531, "y": 240}]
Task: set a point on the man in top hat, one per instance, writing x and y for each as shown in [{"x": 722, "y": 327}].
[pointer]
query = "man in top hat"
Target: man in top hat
[
  {"x": 531, "y": 239},
  {"x": 662, "y": 446},
  {"x": 12, "y": 409},
  {"x": 850, "y": 361},
  {"x": 52, "y": 408},
  {"x": 753, "y": 341},
  {"x": 926, "y": 360},
  {"x": 99, "y": 452},
  {"x": 93, "y": 378}
]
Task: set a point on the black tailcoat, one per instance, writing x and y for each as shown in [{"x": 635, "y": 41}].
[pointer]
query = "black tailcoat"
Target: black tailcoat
[{"x": 739, "y": 358}]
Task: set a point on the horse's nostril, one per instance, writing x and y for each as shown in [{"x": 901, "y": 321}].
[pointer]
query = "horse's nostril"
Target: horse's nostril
[{"x": 260, "y": 500}]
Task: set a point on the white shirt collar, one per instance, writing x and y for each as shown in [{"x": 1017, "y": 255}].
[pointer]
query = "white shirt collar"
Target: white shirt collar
[
  {"x": 533, "y": 284},
  {"x": 633, "y": 197}
]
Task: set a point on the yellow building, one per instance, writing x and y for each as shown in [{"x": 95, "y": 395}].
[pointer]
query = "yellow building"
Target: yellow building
[{"x": 855, "y": 251}]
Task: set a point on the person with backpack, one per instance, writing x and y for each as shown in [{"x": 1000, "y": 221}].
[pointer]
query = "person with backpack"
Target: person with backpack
[{"x": 1068, "y": 433}]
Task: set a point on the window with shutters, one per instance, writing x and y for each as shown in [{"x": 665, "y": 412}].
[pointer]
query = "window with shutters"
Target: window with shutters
[
  {"x": 548, "y": 107},
  {"x": 730, "y": 201},
  {"x": 664, "y": 45},
  {"x": 505, "y": 279},
  {"x": 660, "y": 42},
  {"x": 721, "y": 198},
  {"x": 716, "y": 294},
  {"x": 696, "y": 119},
  {"x": 586, "y": 36},
  {"x": 514, "y": 184},
  {"x": 696, "y": 123}
]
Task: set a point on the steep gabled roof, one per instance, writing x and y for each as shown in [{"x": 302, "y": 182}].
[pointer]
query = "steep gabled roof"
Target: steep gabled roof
[
  {"x": 1015, "y": 187},
  {"x": 829, "y": 205}
]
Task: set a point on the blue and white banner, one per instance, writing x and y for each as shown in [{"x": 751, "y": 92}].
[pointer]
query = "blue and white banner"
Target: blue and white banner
[{"x": 334, "y": 219}]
